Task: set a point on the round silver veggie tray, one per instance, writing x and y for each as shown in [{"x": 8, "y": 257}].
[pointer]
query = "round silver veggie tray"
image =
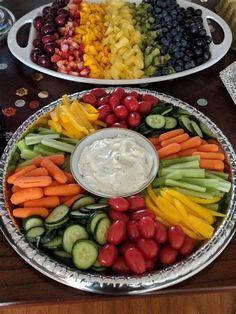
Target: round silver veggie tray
[
  {"x": 23, "y": 54},
  {"x": 114, "y": 284}
]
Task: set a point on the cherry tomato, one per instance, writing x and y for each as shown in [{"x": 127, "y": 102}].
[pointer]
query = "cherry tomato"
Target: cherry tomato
[
  {"x": 151, "y": 99},
  {"x": 115, "y": 215},
  {"x": 121, "y": 112},
  {"x": 119, "y": 92},
  {"x": 131, "y": 103},
  {"x": 146, "y": 227},
  {"x": 120, "y": 125},
  {"x": 108, "y": 255},
  {"x": 135, "y": 260},
  {"x": 104, "y": 111},
  {"x": 144, "y": 107},
  {"x": 103, "y": 101},
  {"x": 148, "y": 247},
  {"x": 114, "y": 101},
  {"x": 119, "y": 203},
  {"x": 134, "y": 94},
  {"x": 99, "y": 92},
  {"x": 133, "y": 230},
  {"x": 160, "y": 235},
  {"x": 136, "y": 202},
  {"x": 187, "y": 246},
  {"x": 142, "y": 213},
  {"x": 89, "y": 98},
  {"x": 176, "y": 237},
  {"x": 134, "y": 119},
  {"x": 168, "y": 255},
  {"x": 150, "y": 264},
  {"x": 127, "y": 245},
  {"x": 120, "y": 266},
  {"x": 110, "y": 119},
  {"x": 116, "y": 233}
]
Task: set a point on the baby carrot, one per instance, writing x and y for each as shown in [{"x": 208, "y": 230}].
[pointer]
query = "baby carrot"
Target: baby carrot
[
  {"x": 204, "y": 142},
  {"x": 205, "y": 155},
  {"x": 24, "y": 212},
  {"x": 165, "y": 136},
  {"x": 15, "y": 188},
  {"x": 191, "y": 143},
  {"x": 208, "y": 148},
  {"x": 173, "y": 156},
  {"x": 71, "y": 200},
  {"x": 70, "y": 178},
  {"x": 176, "y": 139},
  {"x": 58, "y": 159},
  {"x": 63, "y": 199},
  {"x": 211, "y": 164},
  {"x": 187, "y": 152},
  {"x": 154, "y": 140},
  {"x": 62, "y": 190},
  {"x": 21, "y": 168},
  {"x": 54, "y": 171},
  {"x": 41, "y": 171},
  {"x": 55, "y": 183},
  {"x": 33, "y": 182},
  {"x": 11, "y": 179},
  {"x": 48, "y": 202},
  {"x": 24, "y": 195},
  {"x": 169, "y": 150}
]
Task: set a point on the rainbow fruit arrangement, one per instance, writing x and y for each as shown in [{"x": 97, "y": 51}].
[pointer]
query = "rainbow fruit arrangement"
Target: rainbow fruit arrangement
[
  {"x": 119, "y": 40},
  {"x": 134, "y": 235}
]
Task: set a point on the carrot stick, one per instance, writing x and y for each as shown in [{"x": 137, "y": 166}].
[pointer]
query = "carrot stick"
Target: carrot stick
[
  {"x": 21, "y": 168},
  {"x": 48, "y": 202},
  {"x": 204, "y": 142},
  {"x": 211, "y": 164},
  {"x": 154, "y": 140},
  {"x": 63, "y": 199},
  {"x": 70, "y": 178},
  {"x": 33, "y": 182},
  {"x": 24, "y": 212},
  {"x": 169, "y": 150},
  {"x": 54, "y": 171},
  {"x": 208, "y": 148},
  {"x": 71, "y": 200},
  {"x": 204, "y": 155},
  {"x": 165, "y": 136},
  {"x": 55, "y": 183},
  {"x": 15, "y": 188},
  {"x": 58, "y": 159},
  {"x": 26, "y": 195},
  {"x": 173, "y": 156},
  {"x": 176, "y": 139},
  {"x": 187, "y": 152},
  {"x": 62, "y": 190},
  {"x": 11, "y": 179},
  {"x": 191, "y": 143},
  {"x": 41, "y": 171}
]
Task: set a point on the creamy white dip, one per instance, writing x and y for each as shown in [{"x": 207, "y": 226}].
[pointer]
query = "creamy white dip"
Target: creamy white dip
[{"x": 114, "y": 165}]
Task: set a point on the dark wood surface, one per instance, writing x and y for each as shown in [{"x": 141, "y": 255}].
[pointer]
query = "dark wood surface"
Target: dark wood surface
[{"x": 19, "y": 282}]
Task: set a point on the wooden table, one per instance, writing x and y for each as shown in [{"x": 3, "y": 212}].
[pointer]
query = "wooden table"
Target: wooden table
[{"x": 19, "y": 282}]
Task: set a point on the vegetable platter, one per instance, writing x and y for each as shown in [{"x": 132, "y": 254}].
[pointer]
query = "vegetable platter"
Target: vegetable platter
[
  {"x": 167, "y": 233},
  {"x": 147, "y": 41}
]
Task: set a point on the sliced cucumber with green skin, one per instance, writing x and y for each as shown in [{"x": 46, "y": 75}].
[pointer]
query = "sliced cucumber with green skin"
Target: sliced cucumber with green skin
[
  {"x": 94, "y": 220},
  {"x": 58, "y": 214},
  {"x": 103, "y": 200},
  {"x": 55, "y": 243},
  {"x": 35, "y": 233},
  {"x": 171, "y": 123},
  {"x": 97, "y": 206},
  {"x": 32, "y": 221},
  {"x": 71, "y": 235},
  {"x": 97, "y": 267},
  {"x": 77, "y": 214},
  {"x": 155, "y": 121},
  {"x": 196, "y": 128},
  {"x": 100, "y": 232},
  {"x": 167, "y": 110},
  {"x": 56, "y": 225},
  {"x": 83, "y": 201},
  {"x": 206, "y": 130},
  {"x": 48, "y": 235},
  {"x": 84, "y": 254},
  {"x": 62, "y": 254},
  {"x": 181, "y": 111},
  {"x": 185, "y": 123}
]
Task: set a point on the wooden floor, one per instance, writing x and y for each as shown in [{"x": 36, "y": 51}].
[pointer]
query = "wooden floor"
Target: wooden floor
[{"x": 223, "y": 303}]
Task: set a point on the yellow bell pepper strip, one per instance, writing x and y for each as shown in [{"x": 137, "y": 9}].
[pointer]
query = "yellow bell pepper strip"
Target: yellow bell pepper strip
[
  {"x": 65, "y": 100},
  {"x": 54, "y": 116},
  {"x": 73, "y": 120},
  {"x": 165, "y": 223},
  {"x": 167, "y": 196},
  {"x": 80, "y": 116},
  {"x": 167, "y": 206},
  {"x": 70, "y": 129},
  {"x": 55, "y": 126},
  {"x": 89, "y": 108},
  {"x": 199, "y": 200},
  {"x": 203, "y": 228},
  {"x": 90, "y": 116},
  {"x": 100, "y": 123}
]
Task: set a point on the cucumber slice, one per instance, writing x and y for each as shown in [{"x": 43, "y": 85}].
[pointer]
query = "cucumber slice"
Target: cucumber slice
[
  {"x": 100, "y": 232},
  {"x": 32, "y": 221},
  {"x": 103, "y": 200},
  {"x": 185, "y": 123},
  {"x": 167, "y": 110},
  {"x": 206, "y": 130},
  {"x": 58, "y": 214},
  {"x": 98, "y": 267},
  {"x": 35, "y": 233},
  {"x": 97, "y": 206},
  {"x": 83, "y": 201},
  {"x": 84, "y": 254},
  {"x": 71, "y": 235},
  {"x": 171, "y": 123},
  {"x": 48, "y": 235},
  {"x": 94, "y": 219},
  {"x": 77, "y": 214},
  {"x": 196, "y": 128},
  {"x": 155, "y": 121},
  {"x": 62, "y": 254},
  {"x": 57, "y": 224},
  {"x": 55, "y": 243},
  {"x": 181, "y": 111}
]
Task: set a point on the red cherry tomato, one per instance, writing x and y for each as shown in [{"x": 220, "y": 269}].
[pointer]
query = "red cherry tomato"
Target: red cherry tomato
[
  {"x": 134, "y": 94},
  {"x": 108, "y": 255},
  {"x": 151, "y": 99},
  {"x": 115, "y": 215},
  {"x": 131, "y": 103},
  {"x": 133, "y": 230},
  {"x": 121, "y": 112},
  {"x": 135, "y": 260},
  {"x": 168, "y": 255},
  {"x": 148, "y": 247},
  {"x": 110, "y": 119},
  {"x": 144, "y": 107},
  {"x": 136, "y": 202},
  {"x": 99, "y": 92},
  {"x": 150, "y": 264},
  {"x": 146, "y": 227},
  {"x": 134, "y": 119},
  {"x": 160, "y": 235},
  {"x": 176, "y": 237},
  {"x": 127, "y": 245},
  {"x": 142, "y": 213},
  {"x": 119, "y": 92},
  {"x": 104, "y": 111},
  {"x": 120, "y": 266},
  {"x": 187, "y": 246},
  {"x": 116, "y": 233},
  {"x": 114, "y": 101},
  {"x": 89, "y": 98},
  {"x": 119, "y": 203},
  {"x": 120, "y": 125},
  {"x": 103, "y": 101}
]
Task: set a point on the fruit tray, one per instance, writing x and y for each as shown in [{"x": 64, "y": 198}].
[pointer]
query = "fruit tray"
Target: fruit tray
[
  {"x": 108, "y": 282},
  {"x": 216, "y": 52}
]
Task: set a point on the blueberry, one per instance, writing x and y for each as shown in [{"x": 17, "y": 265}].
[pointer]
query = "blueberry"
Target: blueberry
[
  {"x": 165, "y": 30},
  {"x": 165, "y": 42},
  {"x": 200, "y": 42},
  {"x": 199, "y": 19},
  {"x": 198, "y": 51},
  {"x": 190, "y": 9},
  {"x": 189, "y": 53},
  {"x": 199, "y": 61},
  {"x": 208, "y": 39},
  {"x": 202, "y": 32},
  {"x": 206, "y": 55},
  {"x": 158, "y": 73},
  {"x": 178, "y": 68},
  {"x": 158, "y": 10},
  {"x": 193, "y": 29},
  {"x": 179, "y": 62},
  {"x": 188, "y": 65},
  {"x": 165, "y": 71},
  {"x": 187, "y": 59},
  {"x": 163, "y": 50},
  {"x": 198, "y": 12}
]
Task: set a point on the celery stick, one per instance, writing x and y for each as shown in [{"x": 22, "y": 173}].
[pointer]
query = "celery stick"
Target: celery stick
[
  {"x": 166, "y": 163},
  {"x": 208, "y": 183},
  {"x": 156, "y": 190},
  {"x": 176, "y": 175},
  {"x": 25, "y": 163},
  {"x": 206, "y": 194},
  {"x": 186, "y": 173},
  {"x": 45, "y": 131},
  {"x": 45, "y": 150},
  {"x": 69, "y": 140},
  {"x": 170, "y": 182},
  {"x": 222, "y": 175},
  {"x": 185, "y": 165},
  {"x": 22, "y": 145},
  {"x": 29, "y": 154},
  {"x": 158, "y": 182},
  {"x": 36, "y": 138},
  {"x": 215, "y": 206},
  {"x": 224, "y": 186},
  {"x": 58, "y": 145}
]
